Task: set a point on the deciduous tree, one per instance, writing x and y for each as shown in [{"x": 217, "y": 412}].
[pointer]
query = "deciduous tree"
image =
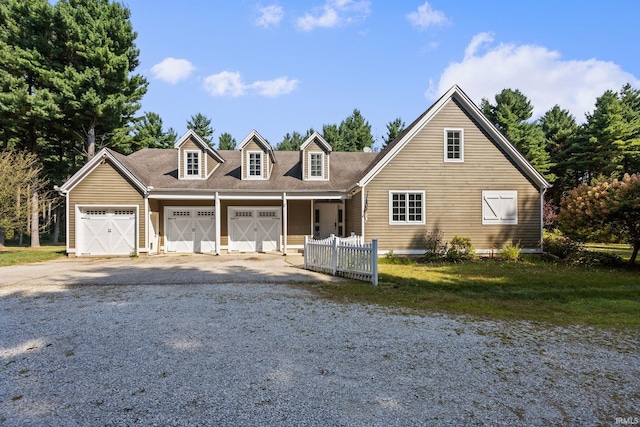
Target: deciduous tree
[
  {"x": 608, "y": 207},
  {"x": 19, "y": 180}
]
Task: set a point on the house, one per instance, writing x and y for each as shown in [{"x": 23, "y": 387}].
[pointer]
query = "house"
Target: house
[{"x": 451, "y": 170}]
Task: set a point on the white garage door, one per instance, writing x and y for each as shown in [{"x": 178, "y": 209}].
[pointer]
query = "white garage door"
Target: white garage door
[
  {"x": 190, "y": 229},
  {"x": 254, "y": 229},
  {"x": 107, "y": 231}
]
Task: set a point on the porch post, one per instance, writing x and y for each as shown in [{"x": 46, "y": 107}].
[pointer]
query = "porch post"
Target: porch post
[
  {"x": 285, "y": 228},
  {"x": 147, "y": 219},
  {"x": 217, "y": 218}
]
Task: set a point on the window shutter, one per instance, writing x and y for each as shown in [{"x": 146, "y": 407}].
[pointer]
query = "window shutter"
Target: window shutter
[{"x": 499, "y": 207}]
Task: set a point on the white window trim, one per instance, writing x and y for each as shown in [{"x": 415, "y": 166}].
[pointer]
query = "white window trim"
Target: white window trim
[
  {"x": 499, "y": 193},
  {"x": 315, "y": 178},
  {"x": 186, "y": 174},
  {"x": 262, "y": 171},
  {"x": 423, "y": 207},
  {"x": 461, "y": 159}
]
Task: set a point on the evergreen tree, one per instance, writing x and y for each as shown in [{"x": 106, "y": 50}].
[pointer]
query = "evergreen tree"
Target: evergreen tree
[
  {"x": 98, "y": 56},
  {"x": 148, "y": 133},
  {"x": 612, "y": 135},
  {"x": 561, "y": 132},
  {"x": 394, "y": 129},
  {"x": 356, "y": 133},
  {"x": 292, "y": 142},
  {"x": 201, "y": 124},
  {"x": 510, "y": 114},
  {"x": 332, "y": 135},
  {"x": 226, "y": 142},
  {"x": 353, "y": 134}
]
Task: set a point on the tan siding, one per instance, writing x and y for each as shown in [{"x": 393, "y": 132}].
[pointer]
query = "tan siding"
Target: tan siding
[
  {"x": 211, "y": 164},
  {"x": 105, "y": 186},
  {"x": 299, "y": 221},
  {"x": 354, "y": 215},
  {"x": 453, "y": 191}
]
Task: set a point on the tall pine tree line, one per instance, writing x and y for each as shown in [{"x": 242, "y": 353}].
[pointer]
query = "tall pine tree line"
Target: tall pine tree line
[{"x": 67, "y": 73}]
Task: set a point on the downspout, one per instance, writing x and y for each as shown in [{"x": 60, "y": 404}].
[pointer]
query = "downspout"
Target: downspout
[
  {"x": 147, "y": 221},
  {"x": 542, "y": 193},
  {"x": 362, "y": 201}
]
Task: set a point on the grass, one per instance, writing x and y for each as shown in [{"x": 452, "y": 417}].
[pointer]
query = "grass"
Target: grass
[
  {"x": 622, "y": 249},
  {"x": 530, "y": 290},
  {"x": 11, "y": 255}
]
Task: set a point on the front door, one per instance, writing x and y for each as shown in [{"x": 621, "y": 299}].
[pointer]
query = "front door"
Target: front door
[{"x": 328, "y": 220}]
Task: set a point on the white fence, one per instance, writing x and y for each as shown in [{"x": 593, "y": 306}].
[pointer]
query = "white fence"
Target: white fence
[{"x": 343, "y": 256}]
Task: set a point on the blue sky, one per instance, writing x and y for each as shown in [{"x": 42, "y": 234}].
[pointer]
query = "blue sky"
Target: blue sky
[{"x": 284, "y": 66}]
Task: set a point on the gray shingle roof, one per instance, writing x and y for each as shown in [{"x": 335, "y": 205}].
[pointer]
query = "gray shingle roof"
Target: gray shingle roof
[{"x": 159, "y": 168}]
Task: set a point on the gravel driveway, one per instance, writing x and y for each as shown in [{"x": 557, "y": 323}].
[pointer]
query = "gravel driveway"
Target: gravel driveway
[{"x": 258, "y": 351}]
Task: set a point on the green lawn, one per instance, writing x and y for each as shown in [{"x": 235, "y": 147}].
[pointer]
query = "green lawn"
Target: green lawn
[
  {"x": 533, "y": 290},
  {"x": 10, "y": 255},
  {"x": 624, "y": 250}
]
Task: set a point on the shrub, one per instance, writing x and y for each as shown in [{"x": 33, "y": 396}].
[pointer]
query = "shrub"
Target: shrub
[
  {"x": 593, "y": 259},
  {"x": 460, "y": 249},
  {"x": 434, "y": 245},
  {"x": 555, "y": 243},
  {"x": 511, "y": 252}
]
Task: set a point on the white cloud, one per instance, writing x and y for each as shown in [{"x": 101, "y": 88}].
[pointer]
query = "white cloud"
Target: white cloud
[
  {"x": 276, "y": 87},
  {"x": 228, "y": 83},
  {"x": 334, "y": 13},
  {"x": 539, "y": 73},
  {"x": 425, "y": 17},
  {"x": 270, "y": 16},
  {"x": 172, "y": 70}
]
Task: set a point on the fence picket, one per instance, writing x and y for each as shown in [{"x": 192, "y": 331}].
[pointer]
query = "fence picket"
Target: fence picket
[{"x": 344, "y": 256}]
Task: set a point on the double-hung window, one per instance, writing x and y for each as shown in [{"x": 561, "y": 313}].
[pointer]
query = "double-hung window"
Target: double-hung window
[
  {"x": 192, "y": 163},
  {"x": 316, "y": 165},
  {"x": 406, "y": 207},
  {"x": 255, "y": 164},
  {"x": 454, "y": 145}
]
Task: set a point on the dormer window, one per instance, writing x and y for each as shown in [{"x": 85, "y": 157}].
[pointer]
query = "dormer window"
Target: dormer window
[
  {"x": 255, "y": 164},
  {"x": 192, "y": 163},
  {"x": 316, "y": 165}
]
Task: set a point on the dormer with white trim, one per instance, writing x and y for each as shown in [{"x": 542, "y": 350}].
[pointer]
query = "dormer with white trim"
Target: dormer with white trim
[
  {"x": 314, "y": 154},
  {"x": 196, "y": 159},
  {"x": 258, "y": 157}
]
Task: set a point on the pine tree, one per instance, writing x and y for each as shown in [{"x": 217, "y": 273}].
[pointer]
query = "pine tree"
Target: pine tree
[
  {"x": 201, "y": 124},
  {"x": 148, "y": 133},
  {"x": 226, "y": 142},
  {"x": 510, "y": 114},
  {"x": 394, "y": 129},
  {"x": 99, "y": 56},
  {"x": 292, "y": 142}
]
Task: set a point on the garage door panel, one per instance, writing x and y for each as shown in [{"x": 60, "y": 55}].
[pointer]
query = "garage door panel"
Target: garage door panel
[
  {"x": 107, "y": 231},
  {"x": 254, "y": 229},
  {"x": 268, "y": 231},
  {"x": 205, "y": 232},
  {"x": 191, "y": 230},
  {"x": 242, "y": 231}
]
